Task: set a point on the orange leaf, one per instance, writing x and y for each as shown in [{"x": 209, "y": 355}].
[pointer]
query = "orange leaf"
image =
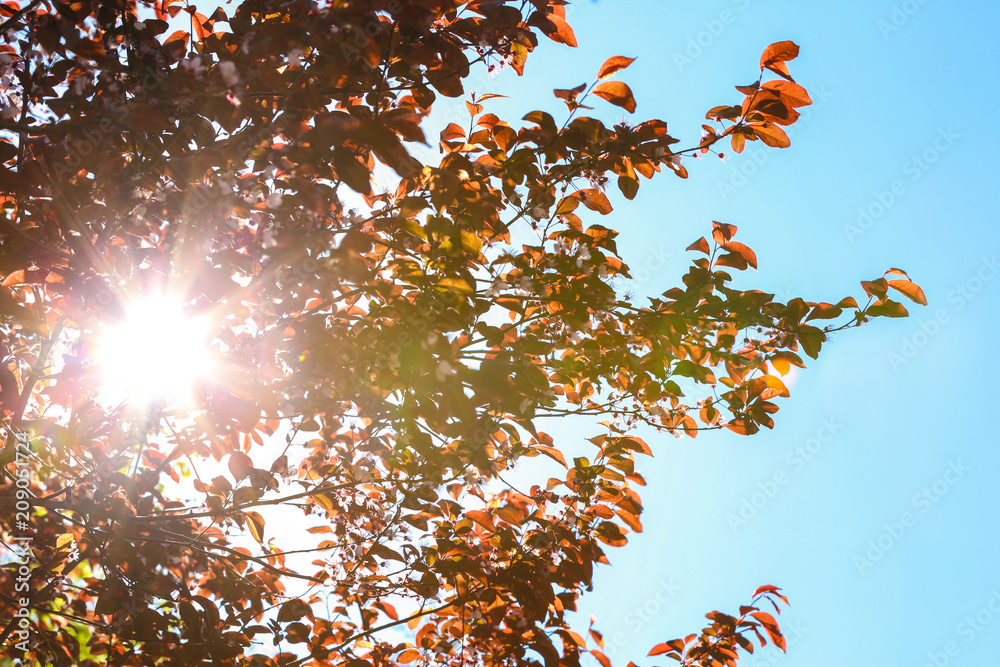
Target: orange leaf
[
  {"x": 771, "y": 626},
  {"x": 388, "y": 609},
  {"x": 617, "y": 93},
  {"x": 772, "y": 135},
  {"x": 876, "y": 288},
  {"x": 594, "y": 199},
  {"x": 742, "y": 426},
  {"x": 569, "y": 94},
  {"x": 660, "y": 649},
  {"x": 910, "y": 290},
  {"x": 783, "y": 362},
  {"x": 700, "y": 245},
  {"x": 452, "y": 132},
  {"x": 15, "y": 278},
  {"x": 240, "y": 465},
  {"x": 776, "y": 55},
  {"x": 552, "y": 453},
  {"x": 601, "y": 658},
  {"x": 612, "y": 534},
  {"x": 614, "y": 64},
  {"x": 896, "y": 272},
  {"x": 484, "y": 519},
  {"x": 738, "y": 141},
  {"x": 746, "y": 253},
  {"x": 255, "y": 522},
  {"x": 824, "y": 311},
  {"x": 563, "y": 33},
  {"x": 771, "y": 590},
  {"x": 631, "y": 520},
  {"x": 779, "y": 52},
  {"x": 888, "y": 308},
  {"x": 408, "y": 656},
  {"x": 722, "y": 233},
  {"x": 202, "y": 26},
  {"x": 795, "y": 94}
]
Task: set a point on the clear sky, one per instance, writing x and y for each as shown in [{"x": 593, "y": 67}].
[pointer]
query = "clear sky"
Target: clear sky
[{"x": 874, "y": 503}]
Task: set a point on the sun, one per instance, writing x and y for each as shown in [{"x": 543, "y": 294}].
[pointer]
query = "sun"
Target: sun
[{"x": 158, "y": 351}]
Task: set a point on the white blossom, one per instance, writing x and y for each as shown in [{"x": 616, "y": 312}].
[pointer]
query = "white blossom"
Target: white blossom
[
  {"x": 227, "y": 70},
  {"x": 295, "y": 56},
  {"x": 443, "y": 370},
  {"x": 495, "y": 288},
  {"x": 193, "y": 65}
]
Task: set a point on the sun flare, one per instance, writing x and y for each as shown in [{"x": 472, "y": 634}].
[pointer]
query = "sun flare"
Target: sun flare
[{"x": 158, "y": 351}]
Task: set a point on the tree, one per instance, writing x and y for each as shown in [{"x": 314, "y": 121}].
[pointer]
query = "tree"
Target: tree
[{"x": 379, "y": 356}]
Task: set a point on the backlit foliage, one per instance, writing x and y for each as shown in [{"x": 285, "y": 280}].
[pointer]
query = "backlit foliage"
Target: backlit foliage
[{"x": 388, "y": 333}]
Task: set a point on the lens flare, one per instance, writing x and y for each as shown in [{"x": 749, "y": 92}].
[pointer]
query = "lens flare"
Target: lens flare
[{"x": 158, "y": 351}]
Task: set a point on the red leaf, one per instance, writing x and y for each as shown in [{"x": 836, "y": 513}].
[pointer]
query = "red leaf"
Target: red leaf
[
  {"x": 601, "y": 658},
  {"x": 772, "y": 590},
  {"x": 771, "y": 627},
  {"x": 665, "y": 647}
]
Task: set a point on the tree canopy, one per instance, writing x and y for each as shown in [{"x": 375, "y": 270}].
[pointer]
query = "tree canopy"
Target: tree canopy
[{"x": 385, "y": 329}]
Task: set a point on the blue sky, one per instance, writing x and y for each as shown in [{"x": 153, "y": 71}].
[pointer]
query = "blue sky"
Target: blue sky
[{"x": 874, "y": 501}]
